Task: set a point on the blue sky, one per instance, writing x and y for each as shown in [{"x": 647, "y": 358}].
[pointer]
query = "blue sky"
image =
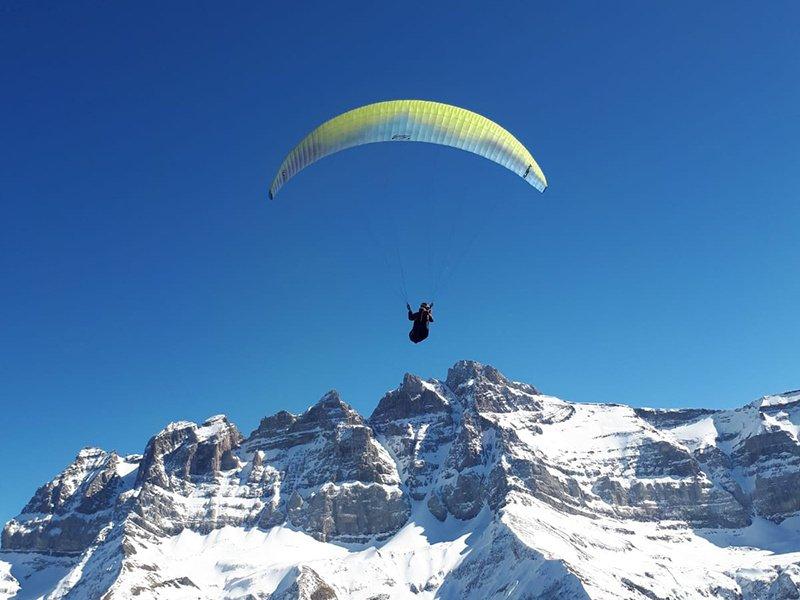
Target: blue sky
[{"x": 145, "y": 277}]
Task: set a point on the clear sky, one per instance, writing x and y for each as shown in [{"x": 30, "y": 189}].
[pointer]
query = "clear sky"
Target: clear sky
[{"x": 146, "y": 278}]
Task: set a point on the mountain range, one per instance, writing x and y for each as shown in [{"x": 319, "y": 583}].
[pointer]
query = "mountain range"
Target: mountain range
[{"x": 470, "y": 487}]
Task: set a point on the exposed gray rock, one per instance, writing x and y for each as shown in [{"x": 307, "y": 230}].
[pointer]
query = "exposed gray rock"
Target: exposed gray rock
[
  {"x": 335, "y": 479},
  {"x": 718, "y": 467},
  {"x": 86, "y": 478},
  {"x": 184, "y": 453},
  {"x": 436, "y": 506},
  {"x": 533, "y": 477},
  {"x": 414, "y": 398},
  {"x": 698, "y": 503},
  {"x": 771, "y": 457},
  {"x": 662, "y": 418},
  {"x": 353, "y": 512},
  {"x": 284, "y": 430},
  {"x": 303, "y": 583},
  {"x": 768, "y": 445},
  {"x": 67, "y": 514},
  {"x": 659, "y": 458},
  {"x": 785, "y": 586},
  {"x": 777, "y": 496},
  {"x": 464, "y": 496},
  {"x": 487, "y": 390},
  {"x": 415, "y": 422}
]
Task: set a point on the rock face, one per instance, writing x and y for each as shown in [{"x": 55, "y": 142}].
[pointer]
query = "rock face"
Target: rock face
[
  {"x": 303, "y": 583},
  {"x": 471, "y": 487},
  {"x": 329, "y": 476},
  {"x": 67, "y": 514}
]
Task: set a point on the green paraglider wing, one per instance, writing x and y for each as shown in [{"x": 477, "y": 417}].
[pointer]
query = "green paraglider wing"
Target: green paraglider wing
[{"x": 412, "y": 121}]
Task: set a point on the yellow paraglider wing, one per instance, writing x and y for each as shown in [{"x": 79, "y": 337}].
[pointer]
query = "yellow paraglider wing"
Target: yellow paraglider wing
[{"x": 412, "y": 121}]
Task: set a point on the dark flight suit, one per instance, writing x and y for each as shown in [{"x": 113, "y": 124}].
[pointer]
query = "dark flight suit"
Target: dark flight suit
[{"x": 421, "y": 319}]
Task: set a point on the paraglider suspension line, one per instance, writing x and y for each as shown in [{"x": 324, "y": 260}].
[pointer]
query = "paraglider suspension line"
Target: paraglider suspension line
[
  {"x": 454, "y": 260},
  {"x": 402, "y": 274}
]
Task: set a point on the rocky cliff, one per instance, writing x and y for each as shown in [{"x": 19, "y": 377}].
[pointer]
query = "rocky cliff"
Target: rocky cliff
[{"x": 474, "y": 486}]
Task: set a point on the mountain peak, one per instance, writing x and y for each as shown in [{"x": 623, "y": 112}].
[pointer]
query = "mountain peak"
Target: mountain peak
[
  {"x": 215, "y": 419},
  {"x": 279, "y": 422},
  {"x": 329, "y": 411},
  {"x": 466, "y": 371},
  {"x": 414, "y": 397},
  {"x": 331, "y": 398},
  {"x": 90, "y": 452},
  {"x": 777, "y": 400}
]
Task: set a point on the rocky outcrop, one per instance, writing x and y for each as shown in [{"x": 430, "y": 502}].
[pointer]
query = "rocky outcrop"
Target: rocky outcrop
[
  {"x": 485, "y": 389},
  {"x": 9, "y": 585},
  {"x": 753, "y": 453},
  {"x": 416, "y": 423},
  {"x": 67, "y": 514},
  {"x": 350, "y": 512},
  {"x": 775, "y": 497},
  {"x": 414, "y": 399},
  {"x": 303, "y": 583},
  {"x": 185, "y": 462},
  {"x": 671, "y": 418},
  {"x": 335, "y": 479},
  {"x": 185, "y": 453}
]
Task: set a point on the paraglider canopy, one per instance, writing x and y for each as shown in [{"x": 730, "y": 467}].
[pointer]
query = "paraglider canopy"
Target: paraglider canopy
[{"x": 412, "y": 121}]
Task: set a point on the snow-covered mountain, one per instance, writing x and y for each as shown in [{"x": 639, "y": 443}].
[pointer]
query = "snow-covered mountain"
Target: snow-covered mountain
[{"x": 472, "y": 487}]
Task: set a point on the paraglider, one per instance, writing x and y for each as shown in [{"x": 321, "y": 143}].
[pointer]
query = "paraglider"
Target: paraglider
[
  {"x": 419, "y": 331},
  {"x": 412, "y": 121}
]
